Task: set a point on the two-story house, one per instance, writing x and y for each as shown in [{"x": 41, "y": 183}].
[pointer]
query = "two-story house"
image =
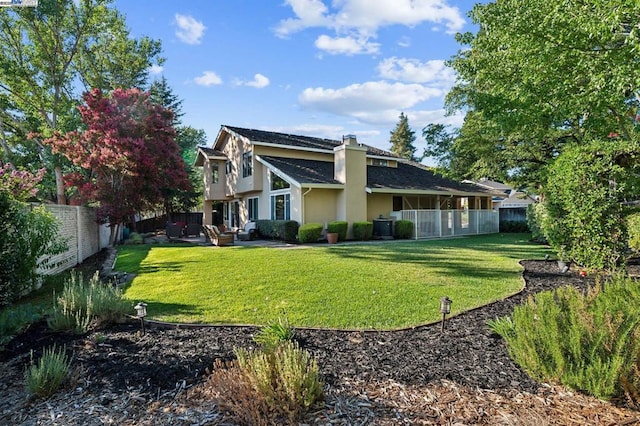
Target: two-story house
[{"x": 254, "y": 174}]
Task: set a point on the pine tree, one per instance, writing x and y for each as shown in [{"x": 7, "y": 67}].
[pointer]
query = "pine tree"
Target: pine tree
[{"x": 402, "y": 138}]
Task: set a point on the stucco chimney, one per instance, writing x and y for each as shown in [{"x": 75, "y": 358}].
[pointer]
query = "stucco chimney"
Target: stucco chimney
[{"x": 350, "y": 169}]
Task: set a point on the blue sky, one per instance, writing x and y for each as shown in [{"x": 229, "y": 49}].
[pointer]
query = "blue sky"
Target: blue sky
[{"x": 321, "y": 68}]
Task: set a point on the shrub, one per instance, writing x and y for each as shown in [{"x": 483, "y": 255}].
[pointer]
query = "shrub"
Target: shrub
[
  {"x": 82, "y": 305},
  {"x": 535, "y": 217},
  {"x": 28, "y": 241},
  {"x": 275, "y": 333},
  {"x": 513, "y": 226},
  {"x": 633, "y": 228},
  {"x": 339, "y": 227},
  {"x": 588, "y": 342},
  {"x": 135, "y": 238},
  {"x": 267, "y": 387},
  {"x": 586, "y": 187},
  {"x": 309, "y": 232},
  {"x": 13, "y": 320},
  {"x": 362, "y": 230},
  {"x": 286, "y": 230},
  {"x": 45, "y": 377},
  {"x": 403, "y": 229}
]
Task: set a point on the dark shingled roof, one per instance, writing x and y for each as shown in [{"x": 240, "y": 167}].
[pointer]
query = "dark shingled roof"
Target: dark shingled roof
[
  {"x": 405, "y": 176},
  {"x": 299, "y": 141},
  {"x": 408, "y": 176},
  {"x": 212, "y": 152},
  {"x": 304, "y": 171}
]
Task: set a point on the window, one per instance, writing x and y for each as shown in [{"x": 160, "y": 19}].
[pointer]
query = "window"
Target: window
[
  {"x": 278, "y": 183},
  {"x": 252, "y": 207},
  {"x": 379, "y": 162},
  {"x": 247, "y": 164},
  {"x": 280, "y": 207},
  {"x": 228, "y": 167},
  {"x": 215, "y": 174}
]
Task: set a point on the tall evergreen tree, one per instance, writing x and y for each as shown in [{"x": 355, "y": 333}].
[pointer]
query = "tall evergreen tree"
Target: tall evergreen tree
[
  {"x": 162, "y": 94},
  {"x": 402, "y": 139}
]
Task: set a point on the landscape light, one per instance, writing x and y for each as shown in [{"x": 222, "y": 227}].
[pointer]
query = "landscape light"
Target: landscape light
[
  {"x": 445, "y": 309},
  {"x": 141, "y": 312}
]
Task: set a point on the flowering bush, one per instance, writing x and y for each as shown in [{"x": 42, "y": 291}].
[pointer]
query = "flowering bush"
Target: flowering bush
[{"x": 20, "y": 184}]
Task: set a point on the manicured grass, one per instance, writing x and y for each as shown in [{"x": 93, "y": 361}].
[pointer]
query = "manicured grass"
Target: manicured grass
[{"x": 382, "y": 286}]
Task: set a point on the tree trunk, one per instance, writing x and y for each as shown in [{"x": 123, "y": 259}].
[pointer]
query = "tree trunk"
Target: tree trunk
[
  {"x": 114, "y": 228},
  {"x": 62, "y": 199}
]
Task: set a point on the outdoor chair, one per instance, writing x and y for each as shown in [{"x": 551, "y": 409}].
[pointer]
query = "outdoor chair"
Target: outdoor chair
[
  {"x": 173, "y": 231},
  {"x": 216, "y": 237},
  {"x": 248, "y": 233},
  {"x": 192, "y": 229}
]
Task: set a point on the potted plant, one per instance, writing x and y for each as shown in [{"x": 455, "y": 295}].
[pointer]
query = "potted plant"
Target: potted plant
[{"x": 332, "y": 237}]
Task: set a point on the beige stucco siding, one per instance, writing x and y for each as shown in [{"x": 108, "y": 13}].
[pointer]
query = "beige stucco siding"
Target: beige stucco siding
[
  {"x": 320, "y": 205},
  {"x": 379, "y": 204},
  {"x": 291, "y": 153}
]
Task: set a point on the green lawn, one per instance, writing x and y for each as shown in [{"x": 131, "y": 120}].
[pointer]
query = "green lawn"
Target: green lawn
[{"x": 382, "y": 286}]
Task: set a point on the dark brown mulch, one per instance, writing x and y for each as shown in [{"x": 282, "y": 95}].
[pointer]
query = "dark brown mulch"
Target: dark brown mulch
[{"x": 165, "y": 362}]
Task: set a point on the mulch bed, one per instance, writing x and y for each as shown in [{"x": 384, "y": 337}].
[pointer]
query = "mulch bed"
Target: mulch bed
[{"x": 418, "y": 376}]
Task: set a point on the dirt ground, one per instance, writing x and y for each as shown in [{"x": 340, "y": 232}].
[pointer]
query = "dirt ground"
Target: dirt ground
[{"x": 416, "y": 376}]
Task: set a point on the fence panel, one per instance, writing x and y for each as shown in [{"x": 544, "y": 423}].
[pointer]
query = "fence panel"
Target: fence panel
[{"x": 444, "y": 223}]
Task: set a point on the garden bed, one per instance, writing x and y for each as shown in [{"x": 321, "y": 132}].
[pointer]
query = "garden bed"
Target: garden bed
[{"x": 419, "y": 375}]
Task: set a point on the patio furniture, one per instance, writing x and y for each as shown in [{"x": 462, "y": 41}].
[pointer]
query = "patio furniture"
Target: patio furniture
[
  {"x": 248, "y": 233},
  {"x": 192, "y": 229},
  {"x": 216, "y": 237},
  {"x": 173, "y": 231}
]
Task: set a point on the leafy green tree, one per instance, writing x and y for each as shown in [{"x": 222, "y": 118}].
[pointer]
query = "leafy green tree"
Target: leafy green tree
[
  {"x": 544, "y": 75},
  {"x": 44, "y": 53},
  {"x": 402, "y": 139}
]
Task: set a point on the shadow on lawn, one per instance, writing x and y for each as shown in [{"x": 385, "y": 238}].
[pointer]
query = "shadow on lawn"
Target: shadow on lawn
[{"x": 155, "y": 309}]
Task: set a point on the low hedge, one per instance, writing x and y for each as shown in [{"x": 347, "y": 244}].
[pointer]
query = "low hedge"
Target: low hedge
[
  {"x": 286, "y": 230},
  {"x": 309, "y": 232},
  {"x": 403, "y": 229},
  {"x": 340, "y": 227},
  {"x": 362, "y": 230},
  {"x": 514, "y": 226}
]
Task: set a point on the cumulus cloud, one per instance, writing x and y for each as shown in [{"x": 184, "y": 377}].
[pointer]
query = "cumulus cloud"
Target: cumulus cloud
[
  {"x": 155, "y": 69},
  {"x": 346, "y": 45},
  {"x": 189, "y": 30},
  {"x": 365, "y": 18},
  {"x": 413, "y": 71},
  {"x": 208, "y": 78},
  {"x": 369, "y": 97},
  {"x": 259, "y": 82}
]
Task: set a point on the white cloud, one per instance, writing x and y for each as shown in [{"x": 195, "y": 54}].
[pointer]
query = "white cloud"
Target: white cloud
[
  {"x": 365, "y": 18},
  {"x": 259, "y": 81},
  {"x": 346, "y": 45},
  {"x": 189, "y": 30},
  {"x": 208, "y": 78},
  {"x": 155, "y": 69},
  {"x": 367, "y": 99},
  {"x": 414, "y": 71}
]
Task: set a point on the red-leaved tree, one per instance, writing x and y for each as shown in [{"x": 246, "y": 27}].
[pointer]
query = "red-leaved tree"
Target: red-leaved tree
[{"x": 127, "y": 154}]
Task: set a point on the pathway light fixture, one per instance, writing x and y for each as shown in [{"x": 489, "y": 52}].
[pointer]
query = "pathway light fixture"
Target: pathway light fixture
[
  {"x": 445, "y": 309},
  {"x": 141, "y": 312}
]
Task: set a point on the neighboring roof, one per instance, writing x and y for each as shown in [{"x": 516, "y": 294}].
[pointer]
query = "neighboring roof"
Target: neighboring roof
[
  {"x": 297, "y": 141},
  {"x": 411, "y": 177},
  {"x": 304, "y": 172},
  {"x": 491, "y": 185},
  {"x": 404, "y": 177},
  {"x": 517, "y": 199}
]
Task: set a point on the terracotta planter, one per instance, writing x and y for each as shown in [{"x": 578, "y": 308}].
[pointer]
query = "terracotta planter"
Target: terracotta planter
[{"x": 332, "y": 237}]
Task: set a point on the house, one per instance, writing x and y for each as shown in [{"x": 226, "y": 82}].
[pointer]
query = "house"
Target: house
[
  {"x": 255, "y": 174},
  {"x": 510, "y": 203}
]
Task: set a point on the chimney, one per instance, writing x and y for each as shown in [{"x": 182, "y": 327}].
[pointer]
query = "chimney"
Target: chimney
[{"x": 350, "y": 140}]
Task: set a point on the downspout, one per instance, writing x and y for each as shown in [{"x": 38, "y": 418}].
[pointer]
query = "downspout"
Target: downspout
[{"x": 304, "y": 194}]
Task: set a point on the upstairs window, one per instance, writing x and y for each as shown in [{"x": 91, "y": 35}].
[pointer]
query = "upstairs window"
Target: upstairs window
[
  {"x": 228, "y": 167},
  {"x": 215, "y": 173},
  {"x": 379, "y": 162},
  {"x": 278, "y": 183},
  {"x": 247, "y": 164}
]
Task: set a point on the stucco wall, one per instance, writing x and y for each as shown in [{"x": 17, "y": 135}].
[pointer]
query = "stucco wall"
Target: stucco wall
[
  {"x": 320, "y": 205},
  {"x": 84, "y": 235},
  {"x": 379, "y": 204}
]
